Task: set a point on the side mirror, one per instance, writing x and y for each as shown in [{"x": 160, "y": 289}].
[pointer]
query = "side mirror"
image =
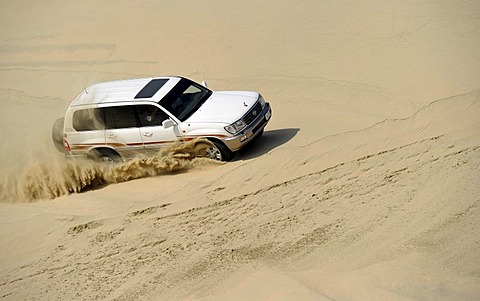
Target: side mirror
[
  {"x": 168, "y": 123},
  {"x": 204, "y": 83}
]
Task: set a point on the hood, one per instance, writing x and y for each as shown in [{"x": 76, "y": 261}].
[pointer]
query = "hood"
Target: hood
[{"x": 224, "y": 107}]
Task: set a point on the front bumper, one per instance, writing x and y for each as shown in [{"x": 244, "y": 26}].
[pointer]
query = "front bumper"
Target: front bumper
[{"x": 248, "y": 134}]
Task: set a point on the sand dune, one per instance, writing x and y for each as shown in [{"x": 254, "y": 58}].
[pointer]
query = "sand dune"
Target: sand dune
[
  {"x": 398, "y": 223},
  {"x": 363, "y": 187}
]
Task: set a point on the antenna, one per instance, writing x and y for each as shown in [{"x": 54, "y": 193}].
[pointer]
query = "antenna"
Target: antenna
[{"x": 85, "y": 90}]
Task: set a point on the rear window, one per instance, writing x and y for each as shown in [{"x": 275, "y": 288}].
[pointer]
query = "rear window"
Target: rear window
[{"x": 151, "y": 88}]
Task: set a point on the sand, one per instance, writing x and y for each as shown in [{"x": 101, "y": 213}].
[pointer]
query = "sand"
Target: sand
[{"x": 363, "y": 187}]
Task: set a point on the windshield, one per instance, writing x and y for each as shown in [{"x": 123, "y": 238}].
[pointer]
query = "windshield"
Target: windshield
[{"x": 185, "y": 99}]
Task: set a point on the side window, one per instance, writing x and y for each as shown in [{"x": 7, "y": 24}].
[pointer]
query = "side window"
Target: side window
[
  {"x": 120, "y": 117},
  {"x": 88, "y": 120},
  {"x": 151, "y": 115}
]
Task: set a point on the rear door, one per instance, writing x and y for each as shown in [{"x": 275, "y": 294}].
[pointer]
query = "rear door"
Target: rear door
[
  {"x": 122, "y": 130},
  {"x": 154, "y": 135},
  {"x": 87, "y": 132}
]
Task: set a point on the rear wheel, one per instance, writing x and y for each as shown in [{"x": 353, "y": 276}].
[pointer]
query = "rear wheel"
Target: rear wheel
[{"x": 106, "y": 156}]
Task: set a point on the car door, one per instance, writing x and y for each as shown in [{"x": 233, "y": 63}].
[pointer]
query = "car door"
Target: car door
[
  {"x": 88, "y": 131},
  {"x": 154, "y": 135},
  {"x": 122, "y": 130}
]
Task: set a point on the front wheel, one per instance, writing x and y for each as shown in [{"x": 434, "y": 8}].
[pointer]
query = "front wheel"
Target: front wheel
[{"x": 213, "y": 150}]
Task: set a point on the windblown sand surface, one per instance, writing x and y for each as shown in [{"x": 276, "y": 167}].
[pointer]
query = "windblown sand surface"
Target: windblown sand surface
[{"x": 365, "y": 185}]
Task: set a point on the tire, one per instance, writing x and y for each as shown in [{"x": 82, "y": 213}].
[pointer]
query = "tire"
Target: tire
[
  {"x": 215, "y": 150},
  {"x": 106, "y": 156},
  {"x": 57, "y": 134}
]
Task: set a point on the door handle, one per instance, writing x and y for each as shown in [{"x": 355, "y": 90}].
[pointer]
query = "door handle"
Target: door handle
[
  {"x": 148, "y": 134},
  {"x": 111, "y": 136}
]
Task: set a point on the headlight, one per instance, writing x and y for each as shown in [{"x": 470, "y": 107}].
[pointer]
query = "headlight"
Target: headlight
[
  {"x": 262, "y": 101},
  {"x": 235, "y": 127}
]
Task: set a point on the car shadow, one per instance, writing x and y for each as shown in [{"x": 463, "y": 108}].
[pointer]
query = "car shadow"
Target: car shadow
[{"x": 269, "y": 141}]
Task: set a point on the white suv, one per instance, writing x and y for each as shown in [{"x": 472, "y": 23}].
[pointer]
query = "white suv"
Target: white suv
[{"x": 118, "y": 119}]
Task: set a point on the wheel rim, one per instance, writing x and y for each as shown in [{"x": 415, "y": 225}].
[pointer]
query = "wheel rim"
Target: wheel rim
[
  {"x": 107, "y": 160},
  {"x": 213, "y": 153}
]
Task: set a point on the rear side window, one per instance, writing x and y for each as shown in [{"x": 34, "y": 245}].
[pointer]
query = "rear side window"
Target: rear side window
[
  {"x": 88, "y": 120},
  {"x": 120, "y": 117}
]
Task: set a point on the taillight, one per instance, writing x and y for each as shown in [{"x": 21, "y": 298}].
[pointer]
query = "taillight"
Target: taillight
[{"x": 66, "y": 145}]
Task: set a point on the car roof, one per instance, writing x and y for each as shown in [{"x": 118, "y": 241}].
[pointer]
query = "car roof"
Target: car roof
[{"x": 125, "y": 91}]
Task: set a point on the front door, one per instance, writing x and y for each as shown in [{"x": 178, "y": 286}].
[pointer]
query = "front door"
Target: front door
[{"x": 154, "y": 135}]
